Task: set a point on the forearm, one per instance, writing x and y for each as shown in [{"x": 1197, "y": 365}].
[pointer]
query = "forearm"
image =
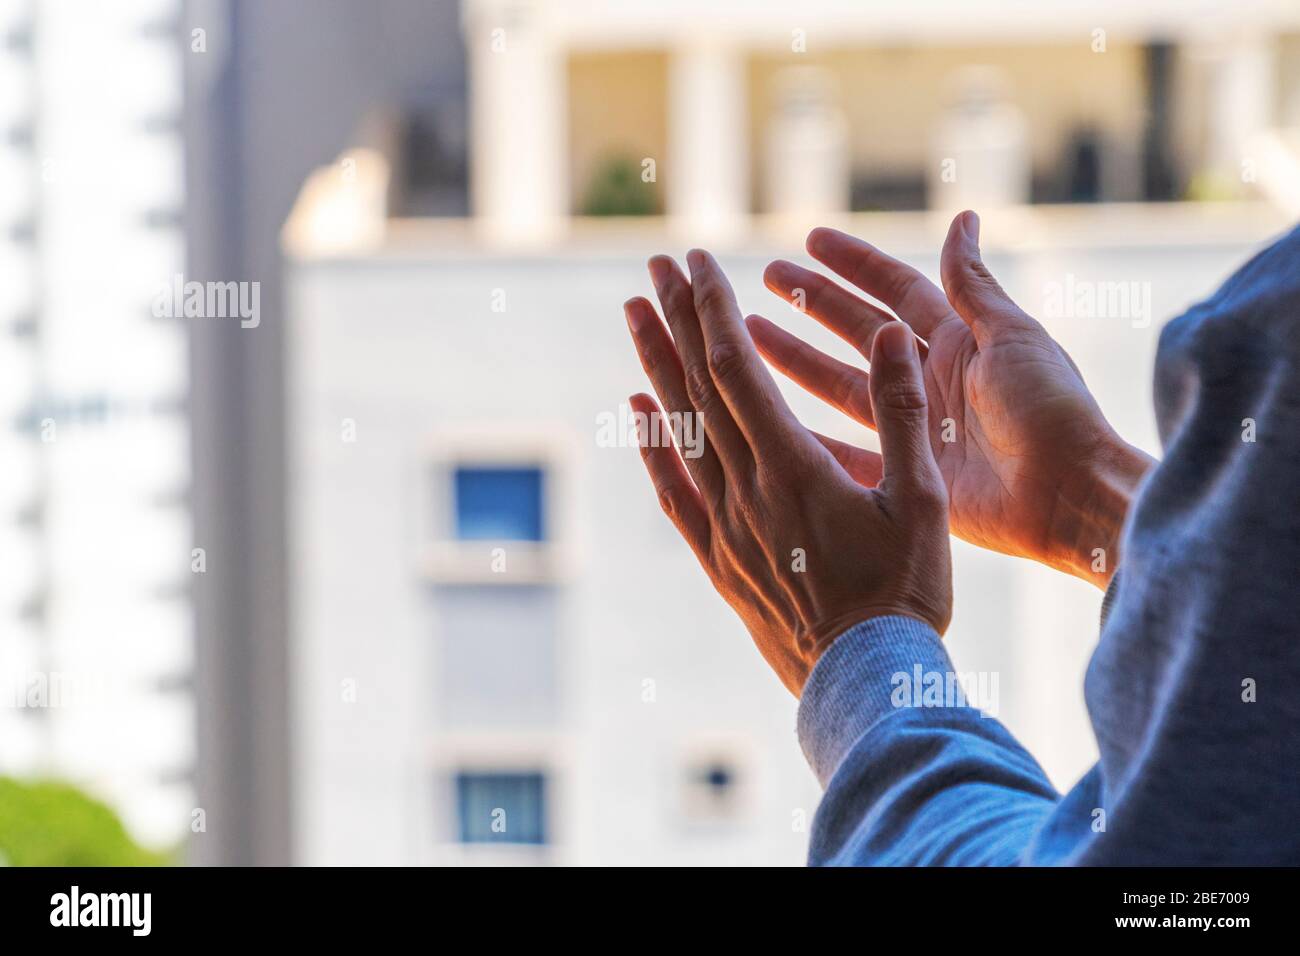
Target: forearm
[{"x": 912, "y": 779}]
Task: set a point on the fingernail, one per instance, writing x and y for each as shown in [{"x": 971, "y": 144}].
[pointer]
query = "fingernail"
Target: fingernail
[
  {"x": 777, "y": 273},
  {"x": 695, "y": 259},
  {"x": 971, "y": 226},
  {"x": 898, "y": 345},
  {"x": 658, "y": 266},
  {"x": 635, "y": 317}
]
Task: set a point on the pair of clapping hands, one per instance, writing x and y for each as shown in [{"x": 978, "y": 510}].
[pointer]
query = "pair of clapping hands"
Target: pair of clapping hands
[{"x": 986, "y": 429}]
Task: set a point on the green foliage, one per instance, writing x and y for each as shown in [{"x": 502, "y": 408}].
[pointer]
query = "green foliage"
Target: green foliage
[
  {"x": 617, "y": 189},
  {"x": 1207, "y": 186},
  {"x": 47, "y": 823}
]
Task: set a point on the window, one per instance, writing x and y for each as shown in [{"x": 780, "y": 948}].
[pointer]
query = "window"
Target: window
[
  {"x": 712, "y": 785},
  {"x": 713, "y": 789},
  {"x": 716, "y": 777},
  {"x": 494, "y": 508},
  {"x": 498, "y": 504},
  {"x": 501, "y": 807}
]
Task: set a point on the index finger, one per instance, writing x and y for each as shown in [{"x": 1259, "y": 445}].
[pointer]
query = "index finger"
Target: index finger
[
  {"x": 734, "y": 364},
  {"x": 914, "y": 298}
]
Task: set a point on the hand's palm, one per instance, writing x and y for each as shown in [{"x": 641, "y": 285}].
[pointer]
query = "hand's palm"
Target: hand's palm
[
  {"x": 1011, "y": 419},
  {"x": 1016, "y": 416}
]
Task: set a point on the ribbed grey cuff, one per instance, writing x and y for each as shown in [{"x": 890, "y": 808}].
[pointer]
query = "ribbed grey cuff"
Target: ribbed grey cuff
[{"x": 852, "y": 685}]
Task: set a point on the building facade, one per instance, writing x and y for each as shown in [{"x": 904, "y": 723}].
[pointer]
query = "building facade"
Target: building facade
[{"x": 97, "y": 641}]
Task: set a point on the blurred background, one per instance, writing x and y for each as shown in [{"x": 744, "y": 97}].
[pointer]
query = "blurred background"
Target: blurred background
[{"x": 348, "y": 564}]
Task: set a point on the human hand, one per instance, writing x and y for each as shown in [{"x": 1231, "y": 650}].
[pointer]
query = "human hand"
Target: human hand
[
  {"x": 798, "y": 548},
  {"x": 1031, "y": 465}
]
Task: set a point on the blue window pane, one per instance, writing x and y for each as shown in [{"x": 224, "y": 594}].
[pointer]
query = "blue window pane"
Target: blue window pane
[
  {"x": 499, "y": 504},
  {"x": 501, "y": 807}
]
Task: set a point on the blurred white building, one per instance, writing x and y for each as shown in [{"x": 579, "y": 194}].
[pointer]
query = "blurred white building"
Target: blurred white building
[
  {"x": 95, "y": 625},
  {"x": 500, "y": 651}
]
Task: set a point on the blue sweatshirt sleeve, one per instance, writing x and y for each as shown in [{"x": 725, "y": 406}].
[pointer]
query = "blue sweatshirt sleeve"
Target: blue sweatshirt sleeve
[{"x": 914, "y": 774}]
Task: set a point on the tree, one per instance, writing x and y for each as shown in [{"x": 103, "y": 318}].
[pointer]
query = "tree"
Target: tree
[{"x": 48, "y": 823}]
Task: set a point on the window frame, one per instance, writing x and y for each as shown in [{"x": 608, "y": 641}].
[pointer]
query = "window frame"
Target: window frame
[
  {"x": 446, "y": 559},
  {"x": 552, "y": 753}
]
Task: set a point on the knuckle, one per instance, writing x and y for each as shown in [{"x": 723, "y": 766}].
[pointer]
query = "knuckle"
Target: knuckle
[
  {"x": 699, "y": 388},
  {"x": 901, "y": 281},
  {"x": 977, "y": 271},
  {"x": 677, "y": 300},
  {"x": 725, "y": 362},
  {"x": 817, "y": 296},
  {"x": 973, "y": 279},
  {"x": 711, "y": 296},
  {"x": 906, "y": 395},
  {"x": 863, "y": 269},
  {"x": 957, "y": 276},
  {"x": 848, "y": 392},
  {"x": 932, "y": 497},
  {"x": 901, "y": 284},
  {"x": 667, "y": 503}
]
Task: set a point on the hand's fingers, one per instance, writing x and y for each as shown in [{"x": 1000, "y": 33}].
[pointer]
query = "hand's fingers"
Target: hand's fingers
[
  {"x": 664, "y": 368},
  {"x": 677, "y": 496},
  {"x": 720, "y": 428},
  {"x": 902, "y": 418},
  {"x": 971, "y": 288},
  {"x": 864, "y": 467},
  {"x": 739, "y": 373},
  {"x": 834, "y": 306},
  {"x": 844, "y": 387},
  {"x": 914, "y": 298}
]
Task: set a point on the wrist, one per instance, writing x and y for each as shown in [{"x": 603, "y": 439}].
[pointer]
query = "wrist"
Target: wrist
[
  {"x": 1097, "y": 510},
  {"x": 819, "y": 639}
]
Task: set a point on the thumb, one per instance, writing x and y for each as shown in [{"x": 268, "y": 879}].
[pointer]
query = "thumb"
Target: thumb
[
  {"x": 899, "y": 404},
  {"x": 971, "y": 288}
]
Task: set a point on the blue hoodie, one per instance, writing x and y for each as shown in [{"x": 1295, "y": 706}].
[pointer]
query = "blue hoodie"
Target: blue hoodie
[{"x": 1194, "y": 689}]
